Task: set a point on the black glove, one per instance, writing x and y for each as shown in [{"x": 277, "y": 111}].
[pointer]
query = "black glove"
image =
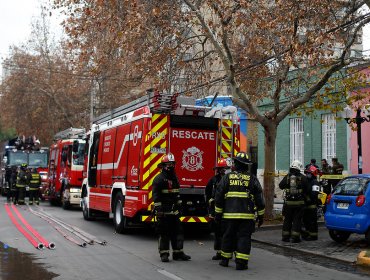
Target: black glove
[{"x": 259, "y": 220}]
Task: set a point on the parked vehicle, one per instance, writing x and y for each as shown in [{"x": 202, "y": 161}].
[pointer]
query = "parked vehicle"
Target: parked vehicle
[
  {"x": 127, "y": 144},
  {"x": 23, "y": 150},
  {"x": 348, "y": 208},
  {"x": 66, "y": 167}
]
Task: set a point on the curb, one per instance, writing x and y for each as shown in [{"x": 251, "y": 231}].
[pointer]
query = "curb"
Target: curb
[{"x": 362, "y": 260}]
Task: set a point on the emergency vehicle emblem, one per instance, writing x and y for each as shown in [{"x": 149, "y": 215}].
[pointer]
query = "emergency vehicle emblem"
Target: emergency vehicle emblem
[{"x": 192, "y": 159}]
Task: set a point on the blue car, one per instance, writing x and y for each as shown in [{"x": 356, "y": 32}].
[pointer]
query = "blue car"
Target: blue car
[{"x": 348, "y": 208}]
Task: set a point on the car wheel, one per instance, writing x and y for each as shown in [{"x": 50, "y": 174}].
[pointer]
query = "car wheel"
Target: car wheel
[
  {"x": 338, "y": 235},
  {"x": 118, "y": 218},
  {"x": 65, "y": 203}
]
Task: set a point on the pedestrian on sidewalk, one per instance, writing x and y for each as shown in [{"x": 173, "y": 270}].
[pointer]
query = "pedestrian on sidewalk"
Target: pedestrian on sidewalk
[
  {"x": 238, "y": 198},
  {"x": 296, "y": 187},
  {"x": 222, "y": 167}
]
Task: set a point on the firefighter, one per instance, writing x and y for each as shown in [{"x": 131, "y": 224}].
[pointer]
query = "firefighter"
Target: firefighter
[
  {"x": 238, "y": 197},
  {"x": 35, "y": 182},
  {"x": 12, "y": 184},
  {"x": 22, "y": 183},
  {"x": 296, "y": 188},
  {"x": 310, "y": 231},
  {"x": 167, "y": 211},
  {"x": 222, "y": 166}
]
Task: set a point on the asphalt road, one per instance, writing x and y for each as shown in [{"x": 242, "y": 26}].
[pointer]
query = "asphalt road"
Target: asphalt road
[{"x": 133, "y": 255}]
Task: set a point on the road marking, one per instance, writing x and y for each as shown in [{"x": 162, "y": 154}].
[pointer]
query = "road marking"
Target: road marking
[{"x": 169, "y": 275}]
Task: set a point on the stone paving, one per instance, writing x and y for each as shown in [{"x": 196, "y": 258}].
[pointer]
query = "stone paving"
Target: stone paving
[{"x": 324, "y": 246}]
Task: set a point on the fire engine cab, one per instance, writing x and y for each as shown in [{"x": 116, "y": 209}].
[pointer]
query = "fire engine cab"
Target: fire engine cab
[
  {"x": 127, "y": 144},
  {"x": 66, "y": 167}
]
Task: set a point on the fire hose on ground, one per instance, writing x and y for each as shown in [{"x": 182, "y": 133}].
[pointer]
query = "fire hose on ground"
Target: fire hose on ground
[
  {"x": 28, "y": 236},
  {"x": 82, "y": 244},
  {"x": 75, "y": 230},
  {"x": 35, "y": 233}
]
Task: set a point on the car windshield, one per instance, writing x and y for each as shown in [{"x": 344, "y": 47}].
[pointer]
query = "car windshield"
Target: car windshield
[{"x": 351, "y": 186}]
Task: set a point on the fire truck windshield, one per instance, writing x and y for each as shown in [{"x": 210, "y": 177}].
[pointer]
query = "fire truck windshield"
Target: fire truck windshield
[
  {"x": 38, "y": 160},
  {"x": 17, "y": 158},
  {"x": 78, "y": 158}
]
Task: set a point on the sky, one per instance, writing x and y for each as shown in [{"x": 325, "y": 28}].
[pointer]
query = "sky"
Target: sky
[{"x": 16, "y": 17}]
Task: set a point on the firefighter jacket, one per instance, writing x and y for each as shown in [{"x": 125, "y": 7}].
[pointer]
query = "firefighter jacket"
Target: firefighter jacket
[
  {"x": 239, "y": 196},
  {"x": 211, "y": 192},
  {"x": 296, "y": 188},
  {"x": 313, "y": 192},
  {"x": 22, "y": 179},
  {"x": 35, "y": 181},
  {"x": 166, "y": 194}
]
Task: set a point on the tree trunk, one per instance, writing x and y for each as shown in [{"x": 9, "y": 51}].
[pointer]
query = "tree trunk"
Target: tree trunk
[{"x": 270, "y": 131}]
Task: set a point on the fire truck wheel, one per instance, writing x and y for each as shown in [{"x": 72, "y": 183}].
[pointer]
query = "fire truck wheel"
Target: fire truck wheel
[
  {"x": 65, "y": 203},
  {"x": 118, "y": 217},
  {"x": 86, "y": 210}
]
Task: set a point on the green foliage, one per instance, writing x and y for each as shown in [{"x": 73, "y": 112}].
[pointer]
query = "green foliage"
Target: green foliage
[{"x": 6, "y": 134}]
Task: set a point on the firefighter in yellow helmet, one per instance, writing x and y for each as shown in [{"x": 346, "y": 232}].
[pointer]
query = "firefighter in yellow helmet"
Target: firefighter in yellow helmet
[
  {"x": 167, "y": 210},
  {"x": 238, "y": 198},
  {"x": 22, "y": 183},
  {"x": 35, "y": 182},
  {"x": 222, "y": 167}
]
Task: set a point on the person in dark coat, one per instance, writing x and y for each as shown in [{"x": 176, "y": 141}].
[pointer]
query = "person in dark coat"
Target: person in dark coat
[
  {"x": 238, "y": 199},
  {"x": 167, "y": 211},
  {"x": 222, "y": 166}
]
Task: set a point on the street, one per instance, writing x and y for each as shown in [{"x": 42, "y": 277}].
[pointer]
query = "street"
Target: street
[{"x": 134, "y": 255}]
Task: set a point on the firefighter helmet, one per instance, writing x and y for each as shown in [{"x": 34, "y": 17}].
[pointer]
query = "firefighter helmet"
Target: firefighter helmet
[
  {"x": 312, "y": 170},
  {"x": 296, "y": 164},
  {"x": 24, "y": 165},
  {"x": 167, "y": 159},
  {"x": 223, "y": 163},
  {"x": 242, "y": 158}
]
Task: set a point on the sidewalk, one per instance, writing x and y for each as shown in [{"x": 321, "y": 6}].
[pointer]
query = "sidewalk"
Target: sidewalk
[{"x": 324, "y": 247}]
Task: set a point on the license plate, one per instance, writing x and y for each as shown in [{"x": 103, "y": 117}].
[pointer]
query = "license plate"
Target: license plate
[{"x": 342, "y": 205}]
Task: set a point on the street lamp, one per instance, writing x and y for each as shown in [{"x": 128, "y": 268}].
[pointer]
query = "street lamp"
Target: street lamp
[{"x": 358, "y": 120}]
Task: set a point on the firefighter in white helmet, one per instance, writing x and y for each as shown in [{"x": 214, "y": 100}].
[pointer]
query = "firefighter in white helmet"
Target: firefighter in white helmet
[
  {"x": 296, "y": 188},
  {"x": 238, "y": 199},
  {"x": 167, "y": 210},
  {"x": 222, "y": 167}
]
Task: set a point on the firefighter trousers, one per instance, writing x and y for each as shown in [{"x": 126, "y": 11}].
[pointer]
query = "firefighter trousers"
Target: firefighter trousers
[
  {"x": 170, "y": 229},
  {"x": 20, "y": 195},
  {"x": 34, "y": 196},
  {"x": 237, "y": 238},
  {"x": 217, "y": 229},
  {"x": 292, "y": 224},
  {"x": 310, "y": 221}
]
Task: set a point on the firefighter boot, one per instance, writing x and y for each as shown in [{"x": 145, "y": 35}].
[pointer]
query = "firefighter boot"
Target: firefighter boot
[
  {"x": 224, "y": 262},
  {"x": 241, "y": 264},
  {"x": 164, "y": 258},
  {"x": 217, "y": 257},
  {"x": 180, "y": 256}
]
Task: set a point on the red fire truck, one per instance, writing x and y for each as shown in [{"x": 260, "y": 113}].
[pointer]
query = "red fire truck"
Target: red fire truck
[
  {"x": 127, "y": 144},
  {"x": 24, "y": 150},
  {"x": 66, "y": 167}
]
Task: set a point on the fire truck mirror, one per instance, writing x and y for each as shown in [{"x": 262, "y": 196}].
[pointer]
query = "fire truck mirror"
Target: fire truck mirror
[{"x": 75, "y": 146}]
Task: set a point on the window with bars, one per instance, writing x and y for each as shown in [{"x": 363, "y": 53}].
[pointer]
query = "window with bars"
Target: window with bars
[
  {"x": 329, "y": 136},
  {"x": 296, "y": 139}
]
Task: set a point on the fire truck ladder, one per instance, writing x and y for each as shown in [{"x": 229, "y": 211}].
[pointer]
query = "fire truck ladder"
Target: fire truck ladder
[
  {"x": 70, "y": 133},
  {"x": 158, "y": 102}
]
